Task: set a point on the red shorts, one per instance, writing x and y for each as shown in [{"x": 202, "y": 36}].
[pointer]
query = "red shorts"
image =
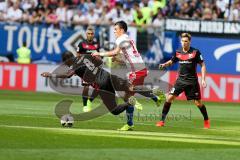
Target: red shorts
[{"x": 137, "y": 78}]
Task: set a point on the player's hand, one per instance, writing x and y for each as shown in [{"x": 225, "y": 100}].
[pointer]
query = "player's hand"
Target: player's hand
[
  {"x": 162, "y": 66},
  {"x": 95, "y": 54},
  {"x": 204, "y": 84},
  {"x": 46, "y": 74}
]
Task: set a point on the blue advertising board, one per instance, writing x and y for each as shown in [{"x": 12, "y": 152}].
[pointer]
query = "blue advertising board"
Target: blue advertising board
[
  {"x": 44, "y": 42},
  {"x": 221, "y": 55}
]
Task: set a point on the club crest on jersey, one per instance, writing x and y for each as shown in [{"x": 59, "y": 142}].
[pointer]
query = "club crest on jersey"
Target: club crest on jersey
[{"x": 190, "y": 55}]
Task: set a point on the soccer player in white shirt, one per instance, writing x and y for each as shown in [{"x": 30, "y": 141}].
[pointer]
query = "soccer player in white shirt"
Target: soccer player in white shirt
[{"x": 135, "y": 64}]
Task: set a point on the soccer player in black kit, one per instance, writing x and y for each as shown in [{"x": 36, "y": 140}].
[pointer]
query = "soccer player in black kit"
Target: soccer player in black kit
[
  {"x": 187, "y": 81},
  {"x": 88, "y": 46},
  {"x": 89, "y": 68}
]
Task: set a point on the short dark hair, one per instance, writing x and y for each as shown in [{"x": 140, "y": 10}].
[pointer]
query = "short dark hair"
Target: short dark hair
[
  {"x": 90, "y": 28},
  {"x": 122, "y": 25},
  {"x": 188, "y": 35},
  {"x": 67, "y": 55}
]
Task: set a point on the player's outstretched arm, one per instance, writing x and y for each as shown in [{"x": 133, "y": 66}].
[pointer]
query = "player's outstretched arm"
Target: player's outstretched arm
[
  {"x": 107, "y": 54},
  {"x": 53, "y": 75},
  {"x": 166, "y": 64}
]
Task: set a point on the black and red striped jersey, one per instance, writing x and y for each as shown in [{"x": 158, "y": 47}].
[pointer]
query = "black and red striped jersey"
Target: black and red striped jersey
[
  {"x": 86, "y": 47},
  {"x": 187, "y": 63}
]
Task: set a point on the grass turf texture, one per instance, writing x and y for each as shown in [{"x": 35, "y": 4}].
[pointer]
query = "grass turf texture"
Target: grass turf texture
[{"x": 30, "y": 130}]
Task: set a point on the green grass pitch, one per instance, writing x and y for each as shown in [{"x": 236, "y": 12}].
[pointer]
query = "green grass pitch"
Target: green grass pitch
[{"x": 30, "y": 130}]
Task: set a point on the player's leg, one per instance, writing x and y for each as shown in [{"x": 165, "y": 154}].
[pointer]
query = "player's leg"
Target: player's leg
[
  {"x": 193, "y": 92},
  {"x": 93, "y": 95},
  {"x": 120, "y": 84},
  {"x": 86, "y": 108},
  {"x": 129, "y": 93},
  {"x": 203, "y": 110},
  {"x": 156, "y": 94},
  {"x": 165, "y": 110},
  {"x": 174, "y": 92},
  {"x": 109, "y": 99},
  {"x": 110, "y": 102},
  {"x": 128, "y": 98}
]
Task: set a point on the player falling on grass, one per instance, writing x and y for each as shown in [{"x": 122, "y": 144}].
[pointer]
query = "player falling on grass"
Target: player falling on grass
[
  {"x": 90, "y": 69},
  {"x": 187, "y": 81},
  {"x": 137, "y": 70},
  {"x": 88, "y": 46}
]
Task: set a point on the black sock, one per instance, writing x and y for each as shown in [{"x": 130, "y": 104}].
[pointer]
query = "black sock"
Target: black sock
[
  {"x": 84, "y": 99},
  {"x": 91, "y": 99},
  {"x": 203, "y": 111},
  {"x": 165, "y": 110},
  {"x": 129, "y": 113},
  {"x": 154, "y": 98},
  {"x": 94, "y": 95}
]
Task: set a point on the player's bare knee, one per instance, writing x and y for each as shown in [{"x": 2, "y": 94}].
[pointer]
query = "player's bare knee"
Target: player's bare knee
[
  {"x": 198, "y": 103},
  {"x": 170, "y": 98}
]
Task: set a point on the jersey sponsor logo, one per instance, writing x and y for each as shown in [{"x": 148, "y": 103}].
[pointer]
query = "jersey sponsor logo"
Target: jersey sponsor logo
[
  {"x": 185, "y": 62},
  {"x": 90, "y": 51},
  {"x": 185, "y": 57},
  {"x": 190, "y": 55},
  {"x": 89, "y": 47}
]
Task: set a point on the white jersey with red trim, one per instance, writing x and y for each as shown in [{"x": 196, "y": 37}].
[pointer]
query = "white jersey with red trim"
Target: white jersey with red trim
[{"x": 130, "y": 53}]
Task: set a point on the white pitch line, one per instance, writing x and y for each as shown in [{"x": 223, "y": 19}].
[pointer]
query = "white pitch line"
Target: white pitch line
[
  {"x": 173, "y": 137},
  {"x": 220, "y": 129}
]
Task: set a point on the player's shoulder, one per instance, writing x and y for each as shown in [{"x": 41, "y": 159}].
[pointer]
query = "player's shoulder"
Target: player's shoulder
[
  {"x": 179, "y": 50},
  {"x": 122, "y": 38},
  {"x": 194, "y": 50},
  {"x": 96, "y": 43},
  {"x": 81, "y": 42}
]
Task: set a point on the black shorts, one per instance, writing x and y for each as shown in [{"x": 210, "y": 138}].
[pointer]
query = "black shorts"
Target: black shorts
[
  {"x": 111, "y": 83},
  {"x": 108, "y": 89},
  {"x": 191, "y": 90}
]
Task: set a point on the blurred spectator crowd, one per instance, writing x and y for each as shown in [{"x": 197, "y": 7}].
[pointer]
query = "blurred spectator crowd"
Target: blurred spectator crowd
[{"x": 74, "y": 13}]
